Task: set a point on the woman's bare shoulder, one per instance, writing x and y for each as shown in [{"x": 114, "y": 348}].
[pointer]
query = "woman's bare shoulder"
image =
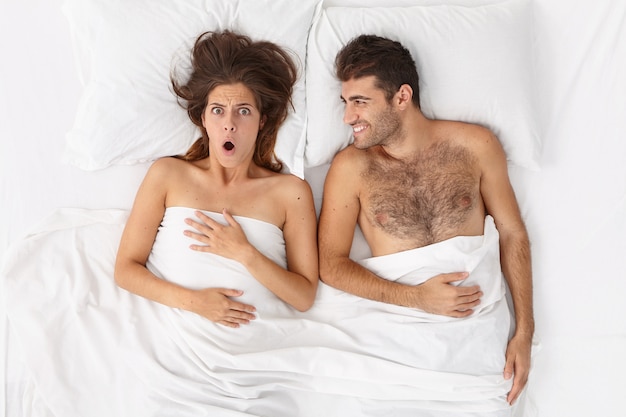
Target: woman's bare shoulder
[
  {"x": 164, "y": 165},
  {"x": 170, "y": 162},
  {"x": 172, "y": 166},
  {"x": 289, "y": 184}
]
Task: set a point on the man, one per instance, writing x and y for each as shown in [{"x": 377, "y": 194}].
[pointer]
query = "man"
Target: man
[{"x": 408, "y": 182}]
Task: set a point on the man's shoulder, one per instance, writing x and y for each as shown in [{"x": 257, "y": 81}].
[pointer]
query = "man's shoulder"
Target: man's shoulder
[
  {"x": 469, "y": 135},
  {"x": 350, "y": 151},
  {"x": 462, "y": 129},
  {"x": 347, "y": 166},
  {"x": 350, "y": 155}
]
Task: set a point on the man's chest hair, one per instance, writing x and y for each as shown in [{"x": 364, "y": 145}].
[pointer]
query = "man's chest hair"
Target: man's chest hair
[{"x": 425, "y": 197}]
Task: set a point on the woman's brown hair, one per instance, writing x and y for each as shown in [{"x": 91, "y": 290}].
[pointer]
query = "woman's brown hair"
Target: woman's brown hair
[{"x": 222, "y": 58}]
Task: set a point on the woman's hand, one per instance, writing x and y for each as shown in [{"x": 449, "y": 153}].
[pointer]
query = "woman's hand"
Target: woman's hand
[
  {"x": 228, "y": 240},
  {"x": 296, "y": 285},
  {"x": 216, "y": 305}
]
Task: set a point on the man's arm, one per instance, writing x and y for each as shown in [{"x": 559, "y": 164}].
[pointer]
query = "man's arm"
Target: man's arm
[
  {"x": 501, "y": 203},
  {"x": 338, "y": 220}
]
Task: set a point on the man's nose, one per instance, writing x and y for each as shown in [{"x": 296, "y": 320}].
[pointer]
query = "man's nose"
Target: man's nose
[{"x": 349, "y": 116}]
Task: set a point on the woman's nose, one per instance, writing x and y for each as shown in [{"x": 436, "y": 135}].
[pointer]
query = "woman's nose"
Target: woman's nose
[{"x": 229, "y": 125}]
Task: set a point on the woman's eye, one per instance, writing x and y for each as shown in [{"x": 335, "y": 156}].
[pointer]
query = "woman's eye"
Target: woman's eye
[
  {"x": 216, "y": 110},
  {"x": 244, "y": 112}
]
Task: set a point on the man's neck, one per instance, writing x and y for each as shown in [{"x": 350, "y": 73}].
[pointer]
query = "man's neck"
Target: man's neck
[{"x": 415, "y": 136}]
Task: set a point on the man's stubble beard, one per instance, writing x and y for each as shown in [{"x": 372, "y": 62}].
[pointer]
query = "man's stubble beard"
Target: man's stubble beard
[{"x": 385, "y": 130}]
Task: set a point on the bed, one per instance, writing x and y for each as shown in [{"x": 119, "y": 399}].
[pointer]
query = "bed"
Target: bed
[{"x": 545, "y": 75}]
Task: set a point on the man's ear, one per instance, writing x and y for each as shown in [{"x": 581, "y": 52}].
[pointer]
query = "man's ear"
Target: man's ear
[{"x": 404, "y": 96}]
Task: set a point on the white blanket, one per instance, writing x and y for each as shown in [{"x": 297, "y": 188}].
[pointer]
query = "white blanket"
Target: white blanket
[{"x": 96, "y": 350}]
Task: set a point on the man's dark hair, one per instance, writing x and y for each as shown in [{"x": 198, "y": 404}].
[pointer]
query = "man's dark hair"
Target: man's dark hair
[{"x": 388, "y": 60}]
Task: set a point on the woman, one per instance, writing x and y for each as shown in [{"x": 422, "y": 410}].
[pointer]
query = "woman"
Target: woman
[{"x": 238, "y": 94}]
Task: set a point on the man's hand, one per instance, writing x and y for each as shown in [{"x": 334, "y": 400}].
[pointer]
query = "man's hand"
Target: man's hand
[
  {"x": 439, "y": 296},
  {"x": 517, "y": 364}
]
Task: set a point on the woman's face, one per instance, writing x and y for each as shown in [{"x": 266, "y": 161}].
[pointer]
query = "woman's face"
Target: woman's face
[{"x": 232, "y": 121}]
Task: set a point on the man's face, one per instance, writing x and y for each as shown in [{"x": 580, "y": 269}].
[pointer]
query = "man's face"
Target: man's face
[{"x": 373, "y": 119}]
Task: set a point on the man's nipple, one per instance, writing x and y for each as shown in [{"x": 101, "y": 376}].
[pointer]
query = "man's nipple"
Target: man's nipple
[
  {"x": 465, "y": 201},
  {"x": 381, "y": 218}
]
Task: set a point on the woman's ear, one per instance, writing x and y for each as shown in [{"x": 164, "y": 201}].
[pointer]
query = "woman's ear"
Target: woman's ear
[{"x": 262, "y": 122}]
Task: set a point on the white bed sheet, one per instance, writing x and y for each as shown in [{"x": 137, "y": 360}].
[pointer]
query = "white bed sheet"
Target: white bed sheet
[
  {"x": 575, "y": 207},
  {"x": 133, "y": 356}
]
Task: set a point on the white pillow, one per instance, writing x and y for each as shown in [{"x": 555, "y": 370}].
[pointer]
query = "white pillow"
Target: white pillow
[
  {"x": 475, "y": 65},
  {"x": 125, "y": 49}
]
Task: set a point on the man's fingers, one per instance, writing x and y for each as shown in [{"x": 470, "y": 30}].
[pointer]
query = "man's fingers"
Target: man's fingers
[
  {"x": 512, "y": 397},
  {"x": 470, "y": 301},
  {"x": 466, "y": 308},
  {"x": 509, "y": 367},
  {"x": 519, "y": 382},
  {"x": 470, "y": 291},
  {"x": 516, "y": 390},
  {"x": 454, "y": 277}
]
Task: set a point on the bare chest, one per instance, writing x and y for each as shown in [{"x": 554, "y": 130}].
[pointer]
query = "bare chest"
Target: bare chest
[
  {"x": 428, "y": 199},
  {"x": 259, "y": 200}
]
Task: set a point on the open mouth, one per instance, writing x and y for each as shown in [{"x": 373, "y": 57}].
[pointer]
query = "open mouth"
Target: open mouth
[{"x": 229, "y": 146}]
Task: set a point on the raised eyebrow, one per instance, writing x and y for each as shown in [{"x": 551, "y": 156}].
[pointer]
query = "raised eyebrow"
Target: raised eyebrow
[{"x": 244, "y": 104}]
